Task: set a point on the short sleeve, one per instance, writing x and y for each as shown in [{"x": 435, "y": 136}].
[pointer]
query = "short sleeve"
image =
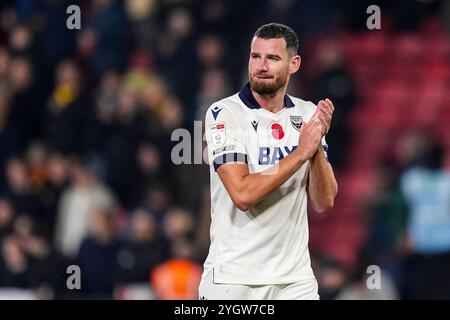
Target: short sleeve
[{"x": 224, "y": 137}]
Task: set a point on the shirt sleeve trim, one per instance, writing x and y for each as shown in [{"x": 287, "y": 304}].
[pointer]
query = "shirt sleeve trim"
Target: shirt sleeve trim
[{"x": 229, "y": 157}]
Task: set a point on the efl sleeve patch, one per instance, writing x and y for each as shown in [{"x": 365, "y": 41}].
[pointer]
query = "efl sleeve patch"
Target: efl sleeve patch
[
  {"x": 224, "y": 136},
  {"x": 218, "y": 134}
]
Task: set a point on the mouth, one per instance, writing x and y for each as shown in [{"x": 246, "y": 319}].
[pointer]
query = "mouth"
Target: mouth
[{"x": 264, "y": 77}]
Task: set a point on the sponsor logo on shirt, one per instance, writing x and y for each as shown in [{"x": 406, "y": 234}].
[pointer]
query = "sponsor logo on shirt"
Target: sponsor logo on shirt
[{"x": 271, "y": 155}]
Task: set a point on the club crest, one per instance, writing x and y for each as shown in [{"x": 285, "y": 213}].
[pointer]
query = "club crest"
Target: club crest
[{"x": 296, "y": 122}]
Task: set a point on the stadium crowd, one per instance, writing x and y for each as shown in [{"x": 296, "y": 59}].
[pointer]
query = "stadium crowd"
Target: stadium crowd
[{"x": 86, "y": 175}]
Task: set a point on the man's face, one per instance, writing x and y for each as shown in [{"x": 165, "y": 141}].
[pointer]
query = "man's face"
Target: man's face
[{"x": 270, "y": 65}]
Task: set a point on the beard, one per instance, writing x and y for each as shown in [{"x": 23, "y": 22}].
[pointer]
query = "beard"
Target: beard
[{"x": 267, "y": 86}]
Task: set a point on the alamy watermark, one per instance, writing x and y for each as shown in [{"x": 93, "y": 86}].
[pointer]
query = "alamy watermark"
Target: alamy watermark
[
  {"x": 184, "y": 152},
  {"x": 374, "y": 20},
  {"x": 74, "y": 279},
  {"x": 227, "y": 145},
  {"x": 373, "y": 281},
  {"x": 74, "y": 20}
]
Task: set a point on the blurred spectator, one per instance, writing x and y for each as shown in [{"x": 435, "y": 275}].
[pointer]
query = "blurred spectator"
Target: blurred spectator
[
  {"x": 331, "y": 276},
  {"x": 47, "y": 268},
  {"x": 143, "y": 251},
  {"x": 97, "y": 257},
  {"x": 426, "y": 188},
  {"x": 409, "y": 149},
  {"x": 21, "y": 41},
  {"x": 150, "y": 169},
  {"x": 162, "y": 111},
  {"x": 100, "y": 122},
  {"x": 11, "y": 141},
  {"x": 386, "y": 208},
  {"x": 179, "y": 277},
  {"x": 110, "y": 36},
  {"x": 106, "y": 99},
  {"x": 57, "y": 180},
  {"x": 25, "y": 109},
  {"x": 177, "y": 51},
  {"x": 55, "y": 40},
  {"x": 121, "y": 145},
  {"x": 214, "y": 86},
  {"x": 14, "y": 266},
  {"x": 36, "y": 157},
  {"x": 178, "y": 225},
  {"x": 79, "y": 202},
  {"x": 157, "y": 200},
  {"x": 386, "y": 215},
  {"x": 333, "y": 81},
  {"x": 66, "y": 110},
  {"x": 19, "y": 190},
  {"x": 216, "y": 16},
  {"x": 145, "y": 15},
  {"x": 8, "y": 18},
  {"x": 211, "y": 52}
]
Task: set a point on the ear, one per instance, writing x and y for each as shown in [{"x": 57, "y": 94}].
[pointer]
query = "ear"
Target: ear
[{"x": 294, "y": 64}]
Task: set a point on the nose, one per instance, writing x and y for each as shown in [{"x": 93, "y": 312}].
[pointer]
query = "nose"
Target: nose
[{"x": 262, "y": 65}]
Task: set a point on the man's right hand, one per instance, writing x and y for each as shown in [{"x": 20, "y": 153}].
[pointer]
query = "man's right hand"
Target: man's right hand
[{"x": 310, "y": 136}]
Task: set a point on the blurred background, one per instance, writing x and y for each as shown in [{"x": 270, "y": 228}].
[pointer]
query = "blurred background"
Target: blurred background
[{"x": 86, "y": 118}]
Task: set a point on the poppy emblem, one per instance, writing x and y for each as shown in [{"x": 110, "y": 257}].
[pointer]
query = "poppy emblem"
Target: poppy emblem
[{"x": 277, "y": 131}]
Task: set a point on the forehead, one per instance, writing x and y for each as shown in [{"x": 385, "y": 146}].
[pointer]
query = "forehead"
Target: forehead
[{"x": 277, "y": 46}]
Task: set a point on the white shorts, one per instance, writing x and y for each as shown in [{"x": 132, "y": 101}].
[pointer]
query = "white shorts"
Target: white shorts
[{"x": 301, "y": 290}]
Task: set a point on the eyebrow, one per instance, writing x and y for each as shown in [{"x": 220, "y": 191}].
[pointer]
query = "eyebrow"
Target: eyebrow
[
  {"x": 273, "y": 56},
  {"x": 269, "y": 55}
]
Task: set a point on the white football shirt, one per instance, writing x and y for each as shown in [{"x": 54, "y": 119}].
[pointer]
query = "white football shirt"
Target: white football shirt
[{"x": 268, "y": 244}]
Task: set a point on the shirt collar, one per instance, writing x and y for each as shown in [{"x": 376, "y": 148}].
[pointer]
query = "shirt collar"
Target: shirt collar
[{"x": 249, "y": 100}]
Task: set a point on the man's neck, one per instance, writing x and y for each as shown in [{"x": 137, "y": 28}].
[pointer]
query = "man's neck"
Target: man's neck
[{"x": 271, "y": 102}]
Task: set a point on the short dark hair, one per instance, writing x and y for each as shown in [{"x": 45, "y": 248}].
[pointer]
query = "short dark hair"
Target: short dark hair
[{"x": 277, "y": 31}]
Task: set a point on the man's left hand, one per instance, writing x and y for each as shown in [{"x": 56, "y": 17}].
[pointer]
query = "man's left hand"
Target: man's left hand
[{"x": 324, "y": 112}]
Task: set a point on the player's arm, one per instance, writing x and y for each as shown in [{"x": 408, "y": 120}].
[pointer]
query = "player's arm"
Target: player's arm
[
  {"x": 247, "y": 189},
  {"x": 322, "y": 184}
]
